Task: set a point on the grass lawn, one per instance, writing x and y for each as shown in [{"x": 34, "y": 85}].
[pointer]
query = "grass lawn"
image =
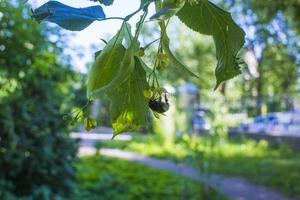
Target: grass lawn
[
  {"x": 100, "y": 177},
  {"x": 276, "y": 167}
]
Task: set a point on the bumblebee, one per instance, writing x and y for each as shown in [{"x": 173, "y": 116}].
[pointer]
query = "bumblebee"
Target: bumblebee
[{"x": 158, "y": 105}]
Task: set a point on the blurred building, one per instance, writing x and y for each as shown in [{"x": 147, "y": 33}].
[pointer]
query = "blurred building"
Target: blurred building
[{"x": 189, "y": 96}]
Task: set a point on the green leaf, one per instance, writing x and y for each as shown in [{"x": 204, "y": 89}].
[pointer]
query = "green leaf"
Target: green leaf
[
  {"x": 106, "y": 68},
  {"x": 107, "y": 64},
  {"x": 206, "y": 18},
  {"x": 129, "y": 106},
  {"x": 129, "y": 39},
  {"x": 166, "y": 47},
  {"x": 97, "y": 53},
  {"x": 126, "y": 67},
  {"x": 145, "y": 66}
]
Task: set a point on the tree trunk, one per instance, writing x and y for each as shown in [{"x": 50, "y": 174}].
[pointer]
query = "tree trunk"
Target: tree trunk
[
  {"x": 259, "y": 89},
  {"x": 260, "y": 85}
]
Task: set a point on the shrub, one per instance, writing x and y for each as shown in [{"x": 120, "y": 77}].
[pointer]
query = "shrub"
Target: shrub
[{"x": 36, "y": 153}]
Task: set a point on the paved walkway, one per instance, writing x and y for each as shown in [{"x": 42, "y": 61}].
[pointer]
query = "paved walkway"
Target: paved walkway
[{"x": 235, "y": 188}]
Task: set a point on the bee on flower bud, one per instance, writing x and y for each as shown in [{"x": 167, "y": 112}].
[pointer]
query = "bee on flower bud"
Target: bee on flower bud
[
  {"x": 159, "y": 105},
  {"x": 158, "y": 100}
]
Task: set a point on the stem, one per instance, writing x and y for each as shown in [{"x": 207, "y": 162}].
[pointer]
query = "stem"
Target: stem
[
  {"x": 87, "y": 104},
  {"x": 110, "y": 18},
  {"x": 152, "y": 81},
  {"x": 156, "y": 80},
  {"x": 141, "y": 22},
  {"x": 138, "y": 10},
  {"x": 132, "y": 14},
  {"x": 148, "y": 45}
]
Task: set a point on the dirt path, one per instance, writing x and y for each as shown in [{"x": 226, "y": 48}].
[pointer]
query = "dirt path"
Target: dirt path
[{"x": 235, "y": 188}]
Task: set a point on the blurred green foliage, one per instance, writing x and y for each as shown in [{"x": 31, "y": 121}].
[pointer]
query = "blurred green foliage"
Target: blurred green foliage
[
  {"x": 273, "y": 38},
  {"x": 105, "y": 178},
  {"x": 277, "y": 167},
  {"x": 36, "y": 88},
  {"x": 267, "y": 10}
]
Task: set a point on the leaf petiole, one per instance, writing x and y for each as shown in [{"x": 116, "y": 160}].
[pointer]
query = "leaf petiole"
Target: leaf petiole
[
  {"x": 142, "y": 7},
  {"x": 140, "y": 24},
  {"x": 149, "y": 44},
  {"x": 111, "y": 18}
]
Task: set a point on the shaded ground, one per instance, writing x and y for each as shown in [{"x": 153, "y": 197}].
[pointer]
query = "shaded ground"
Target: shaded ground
[
  {"x": 236, "y": 188},
  {"x": 101, "y": 177}
]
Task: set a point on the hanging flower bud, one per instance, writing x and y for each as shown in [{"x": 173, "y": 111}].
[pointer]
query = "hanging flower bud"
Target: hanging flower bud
[
  {"x": 89, "y": 123},
  {"x": 141, "y": 52}
]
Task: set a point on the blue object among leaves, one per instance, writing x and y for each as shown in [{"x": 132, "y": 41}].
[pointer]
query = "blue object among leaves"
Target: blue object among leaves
[{"x": 73, "y": 19}]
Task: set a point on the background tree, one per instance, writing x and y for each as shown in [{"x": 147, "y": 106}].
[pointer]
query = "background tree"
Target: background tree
[
  {"x": 268, "y": 26},
  {"x": 281, "y": 75},
  {"x": 36, "y": 88}
]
